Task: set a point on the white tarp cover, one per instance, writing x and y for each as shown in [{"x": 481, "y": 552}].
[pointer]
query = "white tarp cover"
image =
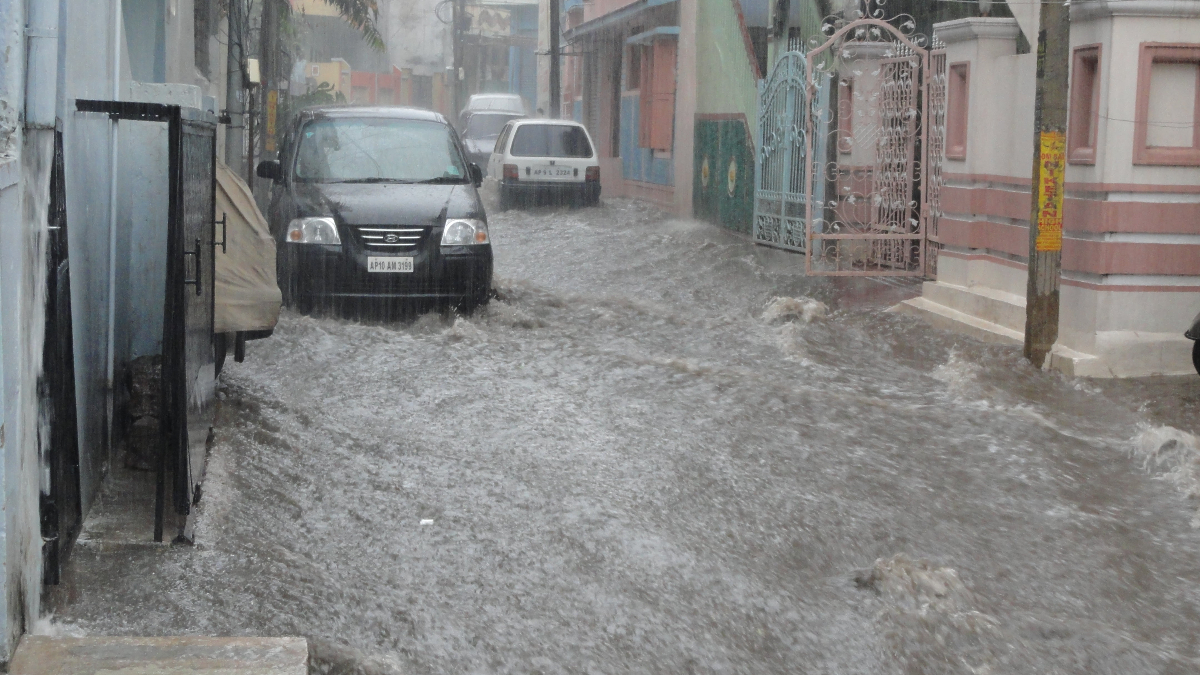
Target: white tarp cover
[{"x": 247, "y": 295}]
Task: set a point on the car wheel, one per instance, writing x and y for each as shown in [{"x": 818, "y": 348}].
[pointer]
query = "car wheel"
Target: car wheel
[
  {"x": 506, "y": 200},
  {"x": 480, "y": 295},
  {"x": 1196, "y": 355}
]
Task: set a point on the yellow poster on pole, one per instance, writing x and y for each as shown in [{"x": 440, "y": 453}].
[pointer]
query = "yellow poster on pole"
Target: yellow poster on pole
[
  {"x": 1053, "y": 160},
  {"x": 272, "y": 110}
]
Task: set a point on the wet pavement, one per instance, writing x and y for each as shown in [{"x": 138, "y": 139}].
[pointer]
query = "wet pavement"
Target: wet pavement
[{"x": 638, "y": 459}]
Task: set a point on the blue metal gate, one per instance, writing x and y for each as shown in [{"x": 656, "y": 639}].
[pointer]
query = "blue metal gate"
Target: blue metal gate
[
  {"x": 785, "y": 103},
  {"x": 779, "y": 199}
]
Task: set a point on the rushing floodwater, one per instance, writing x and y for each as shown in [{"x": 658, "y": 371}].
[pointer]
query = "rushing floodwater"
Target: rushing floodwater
[{"x": 656, "y": 452}]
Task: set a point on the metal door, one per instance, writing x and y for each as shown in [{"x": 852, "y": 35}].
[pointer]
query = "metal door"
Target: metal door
[
  {"x": 60, "y": 504},
  {"x": 780, "y": 175},
  {"x": 188, "y": 371},
  {"x": 875, "y": 218},
  {"x": 189, "y": 376}
]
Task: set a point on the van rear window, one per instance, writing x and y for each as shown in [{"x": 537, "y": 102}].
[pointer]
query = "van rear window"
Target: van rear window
[{"x": 551, "y": 140}]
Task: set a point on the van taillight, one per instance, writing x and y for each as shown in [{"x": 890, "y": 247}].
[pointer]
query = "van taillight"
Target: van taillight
[
  {"x": 593, "y": 174},
  {"x": 511, "y": 173}
]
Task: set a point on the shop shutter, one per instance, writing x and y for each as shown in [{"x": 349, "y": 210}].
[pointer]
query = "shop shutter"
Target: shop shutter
[
  {"x": 645, "y": 97},
  {"x": 662, "y": 125}
]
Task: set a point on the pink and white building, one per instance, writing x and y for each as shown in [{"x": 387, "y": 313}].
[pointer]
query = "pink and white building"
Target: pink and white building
[{"x": 1131, "y": 240}]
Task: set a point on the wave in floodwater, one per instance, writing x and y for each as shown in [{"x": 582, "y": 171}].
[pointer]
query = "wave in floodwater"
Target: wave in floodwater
[
  {"x": 804, "y": 310},
  {"x": 1174, "y": 456}
]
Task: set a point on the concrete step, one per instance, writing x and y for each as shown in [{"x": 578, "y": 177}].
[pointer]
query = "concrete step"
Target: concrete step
[
  {"x": 39, "y": 655},
  {"x": 940, "y": 316},
  {"x": 986, "y": 304}
]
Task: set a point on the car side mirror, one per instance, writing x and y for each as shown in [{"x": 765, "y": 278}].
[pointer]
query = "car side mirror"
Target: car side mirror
[
  {"x": 269, "y": 169},
  {"x": 476, "y": 174}
]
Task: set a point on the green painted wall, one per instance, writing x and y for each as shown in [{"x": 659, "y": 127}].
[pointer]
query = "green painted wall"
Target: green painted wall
[
  {"x": 719, "y": 195},
  {"x": 724, "y": 72},
  {"x": 725, "y": 86}
]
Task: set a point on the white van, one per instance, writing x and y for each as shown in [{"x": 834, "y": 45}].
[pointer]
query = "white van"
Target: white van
[{"x": 541, "y": 159}]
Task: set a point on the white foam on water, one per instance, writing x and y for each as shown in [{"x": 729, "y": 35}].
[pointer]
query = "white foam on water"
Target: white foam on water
[
  {"x": 48, "y": 627},
  {"x": 931, "y": 612},
  {"x": 1173, "y": 455},
  {"x": 780, "y": 309},
  {"x": 217, "y": 495},
  {"x": 505, "y": 314},
  {"x": 789, "y": 339},
  {"x": 957, "y": 373},
  {"x": 464, "y": 330},
  {"x": 917, "y": 584}
]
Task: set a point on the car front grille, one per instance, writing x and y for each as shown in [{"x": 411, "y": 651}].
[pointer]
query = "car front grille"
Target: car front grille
[{"x": 391, "y": 239}]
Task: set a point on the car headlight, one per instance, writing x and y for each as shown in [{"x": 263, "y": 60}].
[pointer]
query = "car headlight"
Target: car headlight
[
  {"x": 313, "y": 231},
  {"x": 464, "y": 232}
]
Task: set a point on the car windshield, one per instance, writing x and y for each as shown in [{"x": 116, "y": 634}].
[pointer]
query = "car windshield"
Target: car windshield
[
  {"x": 551, "y": 140},
  {"x": 378, "y": 150},
  {"x": 486, "y": 126}
]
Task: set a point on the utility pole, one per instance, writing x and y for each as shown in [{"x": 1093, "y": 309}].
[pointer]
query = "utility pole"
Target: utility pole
[
  {"x": 460, "y": 23},
  {"x": 270, "y": 64},
  {"x": 1049, "y": 167},
  {"x": 555, "y": 110},
  {"x": 235, "y": 90}
]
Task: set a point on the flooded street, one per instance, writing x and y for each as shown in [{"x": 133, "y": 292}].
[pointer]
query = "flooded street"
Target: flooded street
[{"x": 661, "y": 449}]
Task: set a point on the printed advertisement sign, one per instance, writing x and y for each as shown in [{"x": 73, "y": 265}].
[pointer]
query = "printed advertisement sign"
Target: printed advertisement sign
[{"x": 1053, "y": 159}]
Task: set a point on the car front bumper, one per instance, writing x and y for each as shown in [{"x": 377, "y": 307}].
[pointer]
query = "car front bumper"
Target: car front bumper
[{"x": 313, "y": 272}]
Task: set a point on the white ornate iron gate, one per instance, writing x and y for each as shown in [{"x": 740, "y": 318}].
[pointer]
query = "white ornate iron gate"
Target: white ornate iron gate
[{"x": 849, "y": 165}]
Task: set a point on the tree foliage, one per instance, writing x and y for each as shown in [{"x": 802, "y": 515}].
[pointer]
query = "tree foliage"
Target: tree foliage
[{"x": 363, "y": 15}]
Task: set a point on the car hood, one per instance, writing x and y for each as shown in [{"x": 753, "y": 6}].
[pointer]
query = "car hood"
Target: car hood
[{"x": 388, "y": 203}]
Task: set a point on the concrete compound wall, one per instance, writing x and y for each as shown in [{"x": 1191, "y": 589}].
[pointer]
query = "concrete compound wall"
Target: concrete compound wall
[
  {"x": 11, "y": 100},
  {"x": 86, "y": 73},
  {"x": 10, "y": 393},
  {"x": 1131, "y": 248}
]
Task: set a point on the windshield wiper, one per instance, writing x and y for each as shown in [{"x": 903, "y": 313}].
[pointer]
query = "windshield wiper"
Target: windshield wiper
[
  {"x": 444, "y": 179},
  {"x": 371, "y": 180}
]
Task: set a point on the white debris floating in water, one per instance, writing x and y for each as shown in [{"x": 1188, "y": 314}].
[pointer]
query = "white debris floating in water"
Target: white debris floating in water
[
  {"x": 915, "y": 582},
  {"x": 1175, "y": 455},
  {"x": 780, "y": 309}
]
